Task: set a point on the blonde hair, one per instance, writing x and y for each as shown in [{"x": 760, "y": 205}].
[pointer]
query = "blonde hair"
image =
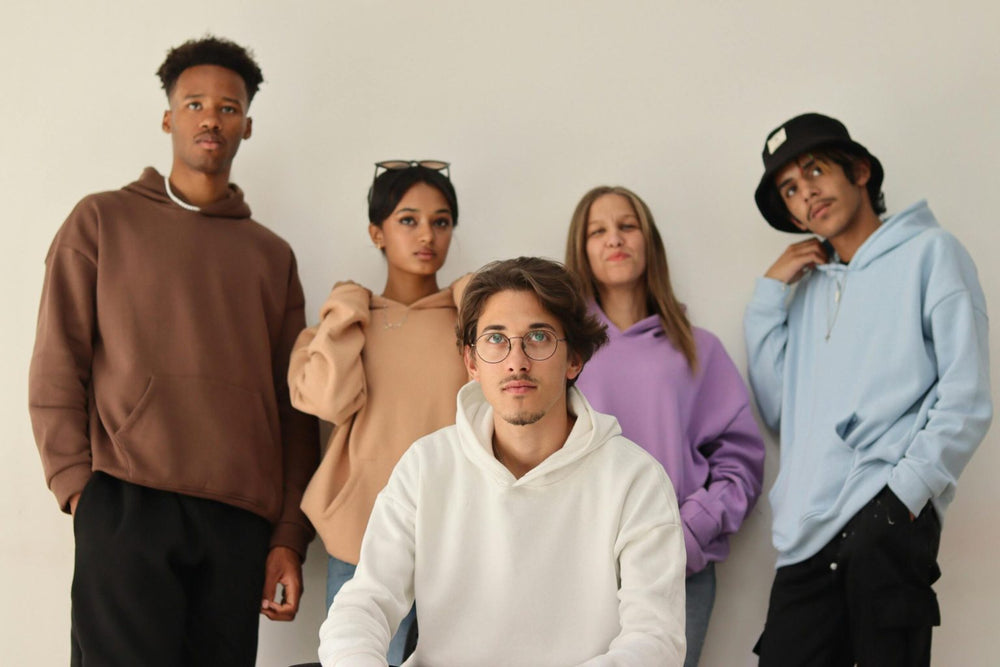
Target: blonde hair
[{"x": 660, "y": 297}]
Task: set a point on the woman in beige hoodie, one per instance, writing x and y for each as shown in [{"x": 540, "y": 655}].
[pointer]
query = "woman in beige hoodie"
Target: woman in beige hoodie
[{"x": 383, "y": 369}]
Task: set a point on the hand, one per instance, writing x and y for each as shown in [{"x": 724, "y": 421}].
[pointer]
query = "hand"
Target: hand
[
  {"x": 285, "y": 567},
  {"x": 796, "y": 260},
  {"x": 73, "y": 500}
]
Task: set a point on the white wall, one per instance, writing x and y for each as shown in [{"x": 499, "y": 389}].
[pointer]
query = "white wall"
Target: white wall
[{"x": 534, "y": 103}]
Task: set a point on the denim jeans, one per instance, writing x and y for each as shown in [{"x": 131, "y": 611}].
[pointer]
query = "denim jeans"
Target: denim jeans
[
  {"x": 700, "y": 590},
  {"x": 339, "y": 573}
]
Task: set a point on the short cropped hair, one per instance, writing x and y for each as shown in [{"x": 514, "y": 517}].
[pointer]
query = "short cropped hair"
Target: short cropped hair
[
  {"x": 559, "y": 292},
  {"x": 210, "y": 50},
  {"x": 392, "y": 185}
]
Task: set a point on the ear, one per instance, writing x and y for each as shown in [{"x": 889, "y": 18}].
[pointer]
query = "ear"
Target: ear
[
  {"x": 469, "y": 356},
  {"x": 166, "y": 123},
  {"x": 573, "y": 366},
  {"x": 378, "y": 238},
  {"x": 862, "y": 172},
  {"x": 249, "y": 130}
]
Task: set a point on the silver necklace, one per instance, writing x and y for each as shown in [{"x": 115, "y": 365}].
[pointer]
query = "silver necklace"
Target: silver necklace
[{"x": 831, "y": 320}]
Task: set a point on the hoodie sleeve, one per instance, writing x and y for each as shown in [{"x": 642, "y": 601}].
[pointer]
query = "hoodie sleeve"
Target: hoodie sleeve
[
  {"x": 61, "y": 364},
  {"x": 651, "y": 566},
  {"x": 326, "y": 375},
  {"x": 369, "y": 608},
  {"x": 722, "y": 427},
  {"x": 765, "y": 325},
  {"x": 299, "y": 432},
  {"x": 955, "y": 322}
]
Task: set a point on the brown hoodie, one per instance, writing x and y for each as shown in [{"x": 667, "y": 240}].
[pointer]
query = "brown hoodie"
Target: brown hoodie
[{"x": 161, "y": 355}]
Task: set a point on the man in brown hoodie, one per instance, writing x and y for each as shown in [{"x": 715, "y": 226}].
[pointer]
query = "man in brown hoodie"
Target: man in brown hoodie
[{"x": 158, "y": 394}]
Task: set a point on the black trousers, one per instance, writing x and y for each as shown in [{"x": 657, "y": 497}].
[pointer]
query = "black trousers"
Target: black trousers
[
  {"x": 864, "y": 599},
  {"x": 164, "y": 579}
]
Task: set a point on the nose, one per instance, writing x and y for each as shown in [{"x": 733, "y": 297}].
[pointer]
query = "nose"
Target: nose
[
  {"x": 614, "y": 238},
  {"x": 425, "y": 232},
  {"x": 517, "y": 360},
  {"x": 211, "y": 119}
]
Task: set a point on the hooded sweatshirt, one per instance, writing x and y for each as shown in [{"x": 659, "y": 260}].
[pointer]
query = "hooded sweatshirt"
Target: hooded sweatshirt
[
  {"x": 385, "y": 374},
  {"x": 698, "y": 425},
  {"x": 876, "y": 373},
  {"x": 161, "y": 354},
  {"x": 578, "y": 562}
]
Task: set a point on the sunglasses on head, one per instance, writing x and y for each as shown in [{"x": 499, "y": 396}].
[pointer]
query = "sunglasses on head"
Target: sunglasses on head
[{"x": 396, "y": 165}]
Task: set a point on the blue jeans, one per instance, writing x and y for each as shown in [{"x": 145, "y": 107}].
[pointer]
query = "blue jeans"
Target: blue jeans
[
  {"x": 339, "y": 573},
  {"x": 700, "y": 589}
]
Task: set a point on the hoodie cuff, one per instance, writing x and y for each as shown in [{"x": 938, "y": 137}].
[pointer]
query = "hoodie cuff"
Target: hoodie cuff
[
  {"x": 770, "y": 292},
  {"x": 910, "y": 489}
]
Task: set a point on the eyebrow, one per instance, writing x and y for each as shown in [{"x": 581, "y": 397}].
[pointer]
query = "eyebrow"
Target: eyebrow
[
  {"x": 227, "y": 99},
  {"x": 531, "y": 327},
  {"x": 417, "y": 210}
]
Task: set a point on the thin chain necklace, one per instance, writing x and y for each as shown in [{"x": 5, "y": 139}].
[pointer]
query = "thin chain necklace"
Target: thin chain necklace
[
  {"x": 837, "y": 295},
  {"x": 394, "y": 325}
]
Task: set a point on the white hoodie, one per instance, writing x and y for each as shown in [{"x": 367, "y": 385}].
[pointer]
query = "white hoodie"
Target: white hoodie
[{"x": 580, "y": 561}]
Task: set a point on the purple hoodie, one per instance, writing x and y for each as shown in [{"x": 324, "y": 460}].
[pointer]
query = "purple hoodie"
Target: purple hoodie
[{"x": 699, "y": 427}]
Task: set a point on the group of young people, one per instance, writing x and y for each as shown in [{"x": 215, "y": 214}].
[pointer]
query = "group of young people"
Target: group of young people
[{"x": 566, "y": 505}]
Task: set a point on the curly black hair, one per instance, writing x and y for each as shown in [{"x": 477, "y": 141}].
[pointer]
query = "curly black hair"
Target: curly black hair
[{"x": 211, "y": 50}]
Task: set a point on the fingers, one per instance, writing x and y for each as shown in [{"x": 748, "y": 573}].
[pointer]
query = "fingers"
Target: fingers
[
  {"x": 283, "y": 567},
  {"x": 796, "y": 260}
]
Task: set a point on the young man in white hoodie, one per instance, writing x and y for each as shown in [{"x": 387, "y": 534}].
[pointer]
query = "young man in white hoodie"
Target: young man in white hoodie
[
  {"x": 868, "y": 352},
  {"x": 531, "y": 531}
]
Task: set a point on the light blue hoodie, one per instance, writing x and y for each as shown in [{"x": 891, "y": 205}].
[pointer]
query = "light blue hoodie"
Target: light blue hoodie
[{"x": 876, "y": 372}]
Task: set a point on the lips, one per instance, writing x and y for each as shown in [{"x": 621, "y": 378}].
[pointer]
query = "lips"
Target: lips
[
  {"x": 425, "y": 254},
  {"x": 518, "y": 385},
  {"x": 819, "y": 208},
  {"x": 209, "y": 140},
  {"x": 617, "y": 256}
]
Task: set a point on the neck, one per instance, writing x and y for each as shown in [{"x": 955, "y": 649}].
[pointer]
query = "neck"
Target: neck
[
  {"x": 198, "y": 188},
  {"x": 847, "y": 242},
  {"x": 624, "y": 306},
  {"x": 521, "y": 448},
  {"x": 407, "y": 288}
]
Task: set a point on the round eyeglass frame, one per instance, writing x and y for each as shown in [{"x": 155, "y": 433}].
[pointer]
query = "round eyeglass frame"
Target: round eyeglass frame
[{"x": 510, "y": 346}]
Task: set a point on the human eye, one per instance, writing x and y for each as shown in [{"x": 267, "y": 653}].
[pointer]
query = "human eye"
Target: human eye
[
  {"x": 443, "y": 223},
  {"x": 407, "y": 220},
  {"x": 816, "y": 171},
  {"x": 229, "y": 109},
  {"x": 790, "y": 191},
  {"x": 595, "y": 231},
  {"x": 194, "y": 105},
  {"x": 538, "y": 337},
  {"x": 495, "y": 339}
]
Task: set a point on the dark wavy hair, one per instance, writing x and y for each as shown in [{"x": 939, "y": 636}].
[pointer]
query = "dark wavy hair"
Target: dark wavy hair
[
  {"x": 556, "y": 288},
  {"x": 210, "y": 50},
  {"x": 390, "y": 186}
]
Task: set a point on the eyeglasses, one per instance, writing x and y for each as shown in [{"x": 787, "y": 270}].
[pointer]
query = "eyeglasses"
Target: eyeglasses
[
  {"x": 396, "y": 165},
  {"x": 493, "y": 347}
]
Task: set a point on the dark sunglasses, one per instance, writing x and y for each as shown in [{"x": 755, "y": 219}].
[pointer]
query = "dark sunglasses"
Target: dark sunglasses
[{"x": 396, "y": 165}]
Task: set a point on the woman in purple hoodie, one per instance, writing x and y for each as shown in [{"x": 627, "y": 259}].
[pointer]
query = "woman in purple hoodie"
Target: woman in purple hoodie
[{"x": 672, "y": 386}]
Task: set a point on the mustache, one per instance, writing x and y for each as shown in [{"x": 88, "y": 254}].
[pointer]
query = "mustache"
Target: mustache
[{"x": 518, "y": 377}]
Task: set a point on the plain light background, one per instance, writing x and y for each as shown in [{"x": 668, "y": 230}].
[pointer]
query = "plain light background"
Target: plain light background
[{"x": 534, "y": 103}]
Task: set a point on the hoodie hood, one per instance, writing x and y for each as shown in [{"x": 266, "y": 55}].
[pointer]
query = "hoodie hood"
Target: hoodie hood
[
  {"x": 474, "y": 421},
  {"x": 892, "y": 233},
  {"x": 648, "y": 327},
  {"x": 151, "y": 185}
]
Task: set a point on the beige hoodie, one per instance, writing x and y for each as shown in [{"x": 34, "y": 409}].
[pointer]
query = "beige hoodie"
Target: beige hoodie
[{"x": 384, "y": 374}]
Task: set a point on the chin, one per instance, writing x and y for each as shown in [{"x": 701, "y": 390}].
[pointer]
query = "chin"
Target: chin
[{"x": 523, "y": 418}]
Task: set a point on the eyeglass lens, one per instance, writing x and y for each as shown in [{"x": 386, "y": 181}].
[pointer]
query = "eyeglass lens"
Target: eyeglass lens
[{"x": 493, "y": 347}]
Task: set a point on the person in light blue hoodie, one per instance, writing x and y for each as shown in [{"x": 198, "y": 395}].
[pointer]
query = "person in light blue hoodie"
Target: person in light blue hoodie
[{"x": 868, "y": 352}]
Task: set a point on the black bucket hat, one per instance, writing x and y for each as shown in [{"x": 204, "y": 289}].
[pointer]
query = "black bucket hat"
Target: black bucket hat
[{"x": 796, "y": 136}]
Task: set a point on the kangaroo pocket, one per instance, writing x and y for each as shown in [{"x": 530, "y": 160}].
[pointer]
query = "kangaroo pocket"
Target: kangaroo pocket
[{"x": 206, "y": 438}]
